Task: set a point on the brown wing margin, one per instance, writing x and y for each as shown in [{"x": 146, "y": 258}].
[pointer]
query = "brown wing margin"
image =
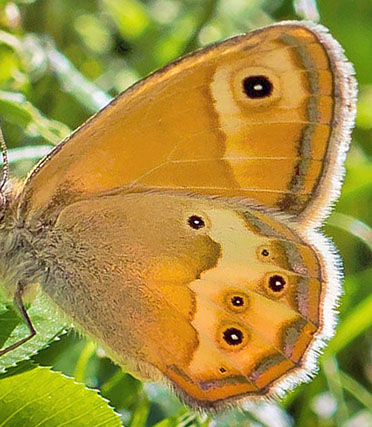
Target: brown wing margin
[{"x": 329, "y": 184}]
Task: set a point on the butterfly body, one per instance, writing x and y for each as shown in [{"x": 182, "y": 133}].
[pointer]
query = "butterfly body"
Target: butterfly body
[{"x": 185, "y": 244}]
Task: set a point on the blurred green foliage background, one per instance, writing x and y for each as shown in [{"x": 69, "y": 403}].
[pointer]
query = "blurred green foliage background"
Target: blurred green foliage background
[{"x": 61, "y": 61}]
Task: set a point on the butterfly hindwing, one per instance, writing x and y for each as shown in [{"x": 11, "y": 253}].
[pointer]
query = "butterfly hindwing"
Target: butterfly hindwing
[{"x": 218, "y": 297}]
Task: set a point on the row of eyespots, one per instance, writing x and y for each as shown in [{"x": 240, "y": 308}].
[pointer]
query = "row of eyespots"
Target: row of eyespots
[
  {"x": 238, "y": 302},
  {"x": 277, "y": 282},
  {"x": 233, "y": 337}
]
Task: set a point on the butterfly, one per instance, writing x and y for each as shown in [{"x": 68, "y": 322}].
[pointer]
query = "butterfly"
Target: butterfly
[{"x": 178, "y": 227}]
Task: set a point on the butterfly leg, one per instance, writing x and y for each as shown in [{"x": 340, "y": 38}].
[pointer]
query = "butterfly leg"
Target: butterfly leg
[{"x": 22, "y": 310}]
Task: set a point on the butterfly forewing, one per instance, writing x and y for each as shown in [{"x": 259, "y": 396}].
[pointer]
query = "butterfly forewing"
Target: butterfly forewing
[{"x": 258, "y": 116}]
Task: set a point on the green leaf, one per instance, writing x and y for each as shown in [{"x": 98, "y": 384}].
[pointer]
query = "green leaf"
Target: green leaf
[
  {"x": 122, "y": 389},
  {"x": 48, "y": 326},
  {"x": 39, "y": 396},
  {"x": 357, "y": 390},
  {"x": 130, "y": 16},
  {"x": 185, "y": 420},
  {"x": 358, "y": 320},
  {"x": 85, "y": 92},
  {"x": 141, "y": 412},
  {"x": 15, "y": 108}
]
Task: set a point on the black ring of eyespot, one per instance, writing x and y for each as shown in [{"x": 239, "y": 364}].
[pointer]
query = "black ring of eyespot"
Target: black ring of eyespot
[
  {"x": 233, "y": 336},
  {"x": 222, "y": 370},
  {"x": 237, "y": 301},
  {"x": 277, "y": 283},
  {"x": 265, "y": 252},
  {"x": 257, "y": 87},
  {"x": 196, "y": 222}
]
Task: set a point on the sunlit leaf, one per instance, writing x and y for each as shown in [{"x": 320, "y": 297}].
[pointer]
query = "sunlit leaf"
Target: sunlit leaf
[{"x": 39, "y": 396}]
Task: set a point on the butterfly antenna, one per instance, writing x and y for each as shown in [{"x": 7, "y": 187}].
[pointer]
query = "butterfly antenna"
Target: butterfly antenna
[{"x": 4, "y": 152}]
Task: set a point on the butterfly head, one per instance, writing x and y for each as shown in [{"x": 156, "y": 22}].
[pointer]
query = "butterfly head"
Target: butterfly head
[{"x": 9, "y": 189}]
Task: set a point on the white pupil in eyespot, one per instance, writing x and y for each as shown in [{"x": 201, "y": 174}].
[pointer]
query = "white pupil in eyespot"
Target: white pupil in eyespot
[
  {"x": 234, "y": 337},
  {"x": 258, "y": 87}
]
